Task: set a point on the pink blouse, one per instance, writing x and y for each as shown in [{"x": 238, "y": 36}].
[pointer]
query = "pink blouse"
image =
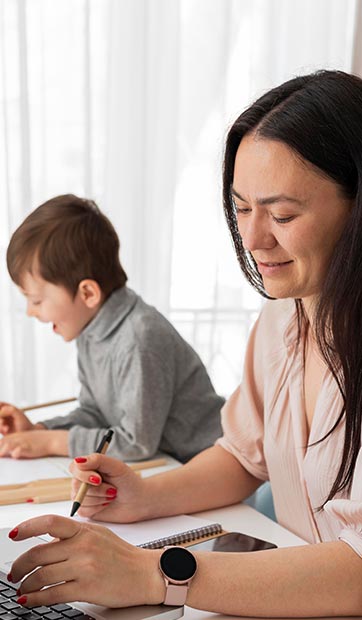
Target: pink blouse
[{"x": 265, "y": 428}]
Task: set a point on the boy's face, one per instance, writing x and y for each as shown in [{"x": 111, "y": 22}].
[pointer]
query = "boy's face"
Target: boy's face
[{"x": 52, "y": 303}]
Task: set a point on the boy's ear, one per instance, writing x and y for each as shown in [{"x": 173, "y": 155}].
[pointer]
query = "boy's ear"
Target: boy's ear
[{"x": 90, "y": 293}]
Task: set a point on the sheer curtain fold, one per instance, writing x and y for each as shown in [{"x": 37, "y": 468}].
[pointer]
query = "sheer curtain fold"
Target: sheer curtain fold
[
  {"x": 141, "y": 149},
  {"x": 128, "y": 101},
  {"x": 356, "y": 51}
]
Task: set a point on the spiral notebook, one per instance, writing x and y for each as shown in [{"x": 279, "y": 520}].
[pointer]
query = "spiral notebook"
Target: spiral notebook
[{"x": 157, "y": 533}]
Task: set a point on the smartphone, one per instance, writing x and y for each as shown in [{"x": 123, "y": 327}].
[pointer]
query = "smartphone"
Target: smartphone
[{"x": 232, "y": 541}]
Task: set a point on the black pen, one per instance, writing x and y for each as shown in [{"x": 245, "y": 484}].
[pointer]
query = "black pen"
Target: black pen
[{"x": 102, "y": 449}]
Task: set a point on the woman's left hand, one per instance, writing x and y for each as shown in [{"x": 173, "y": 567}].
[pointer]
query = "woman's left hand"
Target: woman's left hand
[{"x": 87, "y": 563}]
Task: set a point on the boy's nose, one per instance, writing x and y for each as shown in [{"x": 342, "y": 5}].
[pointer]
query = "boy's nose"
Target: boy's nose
[{"x": 31, "y": 311}]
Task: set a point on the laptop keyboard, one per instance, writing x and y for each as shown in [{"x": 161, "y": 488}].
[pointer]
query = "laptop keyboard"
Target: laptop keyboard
[{"x": 10, "y": 610}]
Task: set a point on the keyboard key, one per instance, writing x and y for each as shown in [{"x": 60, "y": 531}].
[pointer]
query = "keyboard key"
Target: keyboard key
[
  {"x": 9, "y": 593},
  {"x": 9, "y": 605},
  {"x": 60, "y": 607},
  {"x": 41, "y": 610},
  {"x": 53, "y": 615},
  {"x": 7, "y": 615},
  {"x": 20, "y": 611},
  {"x": 73, "y": 613},
  {"x": 29, "y": 616}
]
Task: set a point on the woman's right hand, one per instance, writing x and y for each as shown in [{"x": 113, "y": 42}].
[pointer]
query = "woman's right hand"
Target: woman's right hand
[
  {"x": 13, "y": 420},
  {"x": 116, "y": 493},
  {"x": 84, "y": 562}
]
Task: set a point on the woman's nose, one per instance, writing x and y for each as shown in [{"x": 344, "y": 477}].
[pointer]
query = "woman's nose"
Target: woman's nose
[{"x": 256, "y": 234}]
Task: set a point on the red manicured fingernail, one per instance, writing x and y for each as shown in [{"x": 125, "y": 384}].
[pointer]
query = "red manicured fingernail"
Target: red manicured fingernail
[
  {"x": 80, "y": 459},
  {"x": 13, "y": 534},
  {"x": 22, "y": 600},
  {"x": 94, "y": 479},
  {"x": 111, "y": 492},
  {"x": 29, "y": 500},
  {"x": 9, "y": 577}
]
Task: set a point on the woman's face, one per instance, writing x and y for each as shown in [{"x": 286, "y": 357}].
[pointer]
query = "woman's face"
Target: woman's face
[{"x": 289, "y": 216}]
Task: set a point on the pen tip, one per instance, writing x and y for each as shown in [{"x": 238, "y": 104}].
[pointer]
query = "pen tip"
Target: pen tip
[{"x": 75, "y": 507}]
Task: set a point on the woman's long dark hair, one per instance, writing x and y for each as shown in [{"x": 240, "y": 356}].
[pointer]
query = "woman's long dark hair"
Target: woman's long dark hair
[{"x": 319, "y": 116}]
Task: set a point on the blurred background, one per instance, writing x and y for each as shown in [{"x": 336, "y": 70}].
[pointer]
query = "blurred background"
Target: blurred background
[{"x": 128, "y": 102}]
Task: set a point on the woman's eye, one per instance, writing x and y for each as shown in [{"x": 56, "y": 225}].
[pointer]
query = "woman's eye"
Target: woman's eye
[
  {"x": 241, "y": 210},
  {"x": 283, "y": 220}
]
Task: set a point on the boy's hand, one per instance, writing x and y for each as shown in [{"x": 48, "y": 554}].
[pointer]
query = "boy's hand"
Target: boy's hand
[
  {"x": 13, "y": 420},
  {"x": 35, "y": 444}
]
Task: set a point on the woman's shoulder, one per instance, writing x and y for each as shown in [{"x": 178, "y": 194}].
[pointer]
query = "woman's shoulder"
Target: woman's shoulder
[
  {"x": 278, "y": 313},
  {"x": 277, "y": 323}
]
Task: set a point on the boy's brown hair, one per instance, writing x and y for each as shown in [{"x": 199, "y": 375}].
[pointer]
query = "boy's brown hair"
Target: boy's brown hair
[{"x": 66, "y": 240}]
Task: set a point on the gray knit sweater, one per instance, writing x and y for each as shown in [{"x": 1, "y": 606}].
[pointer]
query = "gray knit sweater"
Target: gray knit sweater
[{"x": 140, "y": 378}]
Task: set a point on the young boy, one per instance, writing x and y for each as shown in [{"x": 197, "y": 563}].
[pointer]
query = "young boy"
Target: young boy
[{"x": 137, "y": 375}]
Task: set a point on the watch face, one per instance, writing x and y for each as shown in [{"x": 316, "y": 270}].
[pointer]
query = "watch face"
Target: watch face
[{"x": 178, "y": 564}]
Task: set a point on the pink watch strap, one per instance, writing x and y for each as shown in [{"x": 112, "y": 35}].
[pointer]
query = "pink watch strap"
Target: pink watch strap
[{"x": 175, "y": 595}]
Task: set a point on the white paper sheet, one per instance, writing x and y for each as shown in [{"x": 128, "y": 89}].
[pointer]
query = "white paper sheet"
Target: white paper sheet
[{"x": 14, "y": 471}]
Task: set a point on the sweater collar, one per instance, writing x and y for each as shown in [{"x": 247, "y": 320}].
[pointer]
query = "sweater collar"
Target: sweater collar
[{"x": 111, "y": 314}]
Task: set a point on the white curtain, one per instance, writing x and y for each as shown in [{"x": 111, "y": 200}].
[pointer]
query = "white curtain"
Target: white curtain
[{"x": 128, "y": 102}]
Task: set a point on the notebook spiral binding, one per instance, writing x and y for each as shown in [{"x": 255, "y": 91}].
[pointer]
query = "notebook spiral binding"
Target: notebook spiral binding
[{"x": 184, "y": 537}]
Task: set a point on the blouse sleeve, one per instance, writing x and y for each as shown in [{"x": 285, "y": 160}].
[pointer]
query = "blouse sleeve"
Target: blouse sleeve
[
  {"x": 349, "y": 511},
  {"x": 242, "y": 415}
]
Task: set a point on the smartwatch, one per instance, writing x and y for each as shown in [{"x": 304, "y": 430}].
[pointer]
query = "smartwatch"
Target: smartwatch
[{"x": 178, "y": 567}]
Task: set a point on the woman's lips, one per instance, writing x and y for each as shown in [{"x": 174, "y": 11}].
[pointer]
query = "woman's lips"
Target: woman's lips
[{"x": 272, "y": 268}]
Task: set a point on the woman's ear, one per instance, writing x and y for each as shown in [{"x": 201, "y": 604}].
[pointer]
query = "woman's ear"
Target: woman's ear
[{"x": 90, "y": 293}]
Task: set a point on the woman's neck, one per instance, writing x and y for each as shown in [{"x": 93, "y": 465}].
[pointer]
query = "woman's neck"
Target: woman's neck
[{"x": 309, "y": 304}]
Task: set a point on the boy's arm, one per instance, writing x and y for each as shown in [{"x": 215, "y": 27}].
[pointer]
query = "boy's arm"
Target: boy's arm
[
  {"x": 86, "y": 414},
  {"x": 13, "y": 420},
  {"x": 49, "y": 437},
  {"x": 34, "y": 444},
  {"x": 138, "y": 409}
]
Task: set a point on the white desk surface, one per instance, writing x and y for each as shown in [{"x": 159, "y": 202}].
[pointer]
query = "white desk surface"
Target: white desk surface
[{"x": 240, "y": 517}]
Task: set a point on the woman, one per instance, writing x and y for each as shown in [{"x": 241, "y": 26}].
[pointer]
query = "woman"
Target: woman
[{"x": 292, "y": 196}]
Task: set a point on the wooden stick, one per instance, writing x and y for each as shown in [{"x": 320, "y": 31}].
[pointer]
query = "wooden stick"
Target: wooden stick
[
  {"x": 147, "y": 464},
  {"x": 65, "y": 495},
  {"x": 46, "y": 482},
  {"x": 51, "y": 403},
  {"x": 36, "y": 495},
  {"x": 55, "y": 497},
  {"x": 53, "y": 489},
  {"x": 14, "y": 500},
  {"x": 51, "y": 482}
]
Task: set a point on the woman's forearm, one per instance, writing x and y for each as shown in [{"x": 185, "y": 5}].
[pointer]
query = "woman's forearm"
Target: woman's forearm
[
  {"x": 211, "y": 479},
  {"x": 321, "y": 580},
  {"x": 214, "y": 478},
  {"x": 315, "y": 580}
]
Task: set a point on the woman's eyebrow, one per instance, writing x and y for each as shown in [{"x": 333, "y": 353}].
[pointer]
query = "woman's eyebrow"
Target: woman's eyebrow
[{"x": 268, "y": 200}]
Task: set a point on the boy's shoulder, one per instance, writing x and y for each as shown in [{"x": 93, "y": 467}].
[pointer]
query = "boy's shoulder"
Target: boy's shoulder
[
  {"x": 125, "y": 317},
  {"x": 147, "y": 325},
  {"x": 148, "y": 332}
]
